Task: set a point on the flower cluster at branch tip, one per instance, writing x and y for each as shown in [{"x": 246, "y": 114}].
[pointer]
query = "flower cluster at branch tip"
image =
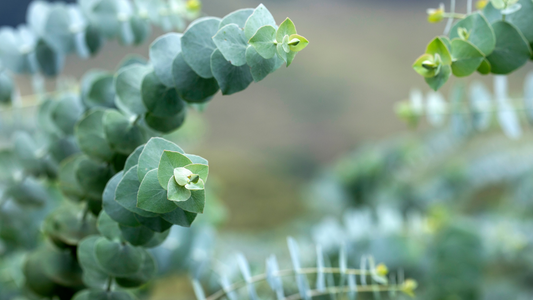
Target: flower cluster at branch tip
[
  {"x": 382, "y": 270},
  {"x": 409, "y": 286},
  {"x": 436, "y": 15},
  {"x": 194, "y": 5},
  {"x": 184, "y": 177},
  {"x": 481, "y": 4}
]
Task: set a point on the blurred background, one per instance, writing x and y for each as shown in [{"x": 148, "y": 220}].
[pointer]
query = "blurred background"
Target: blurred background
[{"x": 322, "y": 136}]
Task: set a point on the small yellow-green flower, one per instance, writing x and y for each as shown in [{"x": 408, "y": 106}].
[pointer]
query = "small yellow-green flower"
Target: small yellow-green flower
[
  {"x": 382, "y": 270},
  {"x": 194, "y": 5},
  {"x": 480, "y": 4},
  {"x": 436, "y": 15},
  {"x": 409, "y": 286}
]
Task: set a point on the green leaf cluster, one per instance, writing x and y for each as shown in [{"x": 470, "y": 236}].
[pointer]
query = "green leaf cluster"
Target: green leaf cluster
[
  {"x": 496, "y": 40},
  {"x": 55, "y": 30},
  {"x": 100, "y": 147}
]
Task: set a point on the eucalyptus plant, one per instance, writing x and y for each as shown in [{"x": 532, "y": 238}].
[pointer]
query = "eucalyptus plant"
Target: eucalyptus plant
[
  {"x": 472, "y": 109},
  {"x": 453, "y": 212},
  {"x": 496, "y": 39},
  {"x": 102, "y": 144}
]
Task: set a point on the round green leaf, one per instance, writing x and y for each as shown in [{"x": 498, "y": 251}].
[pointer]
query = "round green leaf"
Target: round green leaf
[
  {"x": 133, "y": 159},
  {"x": 437, "y": 46},
  {"x": 122, "y": 134},
  {"x": 181, "y": 176},
  {"x": 126, "y": 194},
  {"x": 143, "y": 275},
  {"x": 57, "y": 29},
  {"x": 62, "y": 267},
  {"x": 97, "y": 294},
  {"x": 466, "y": 58},
  {"x": 264, "y": 41},
  {"x": 36, "y": 278},
  {"x": 419, "y": 67},
  {"x": 152, "y": 197},
  {"x": 25, "y": 148},
  {"x": 67, "y": 178},
  {"x": 176, "y": 192},
  {"x": 230, "y": 78},
  {"x": 66, "y": 113},
  {"x": 521, "y": 19},
  {"x": 131, "y": 60},
  {"x": 128, "y": 83},
  {"x": 511, "y": 51},
  {"x": 165, "y": 125},
  {"x": 44, "y": 118},
  {"x": 137, "y": 236},
  {"x": 112, "y": 208},
  {"x": 303, "y": 42},
  {"x": 108, "y": 227},
  {"x": 63, "y": 148},
  {"x": 195, "y": 204},
  {"x": 49, "y": 61},
  {"x": 6, "y": 88},
  {"x": 191, "y": 87},
  {"x": 103, "y": 15},
  {"x": 160, "y": 100},
  {"x": 286, "y": 28},
  {"x": 480, "y": 33},
  {"x": 238, "y": 17},
  {"x": 180, "y": 217},
  {"x": 285, "y": 44},
  {"x": 156, "y": 224},
  {"x": 91, "y": 137},
  {"x": 98, "y": 89},
  {"x": 261, "y": 17},
  {"x": 287, "y": 57},
  {"x": 200, "y": 169},
  {"x": 92, "y": 177},
  {"x": 438, "y": 81},
  {"x": 151, "y": 154},
  {"x": 93, "y": 39},
  {"x": 197, "y": 159},
  {"x": 231, "y": 42},
  {"x": 163, "y": 51},
  {"x": 118, "y": 259},
  {"x": 484, "y": 68},
  {"x": 28, "y": 192},
  {"x": 192, "y": 186},
  {"x": 141, "y": 29},
  {"x": 66, "y": 226},
  {"x": 198, "y": 45},
  {"x": 9, "y": 49},
  {"x": 169, "y": 161},
  {"x": 158, "y": 239}
]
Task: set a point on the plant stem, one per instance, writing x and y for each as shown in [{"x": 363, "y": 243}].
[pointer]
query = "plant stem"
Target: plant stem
[
  {"x": 450, "y": 20},
  {"x": 109, "y": 284},
  {"x": 283, "y": 273},
  {"x": 346, "y": 289},
  {"x": 454, "y": 15}
]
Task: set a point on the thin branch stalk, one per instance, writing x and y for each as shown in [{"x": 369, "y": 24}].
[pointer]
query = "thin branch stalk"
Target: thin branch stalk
[{"x": 238, "y": 285}]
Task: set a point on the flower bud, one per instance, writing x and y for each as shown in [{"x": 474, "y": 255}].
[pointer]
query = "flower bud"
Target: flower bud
[
  {"x": 382, "y": 270},
  {"x": 480, "y": 4},
  {"x": 436, "y": 15},
  {"x": 409, "y": 286},
  {"x": 194, "y": 5}
]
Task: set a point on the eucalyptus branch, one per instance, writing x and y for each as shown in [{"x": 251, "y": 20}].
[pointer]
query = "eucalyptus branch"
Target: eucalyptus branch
[
  {"x": 346, "y": 289},
  {"x": 305, "y": 271},
  {"x": 466, "y": 48}
]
